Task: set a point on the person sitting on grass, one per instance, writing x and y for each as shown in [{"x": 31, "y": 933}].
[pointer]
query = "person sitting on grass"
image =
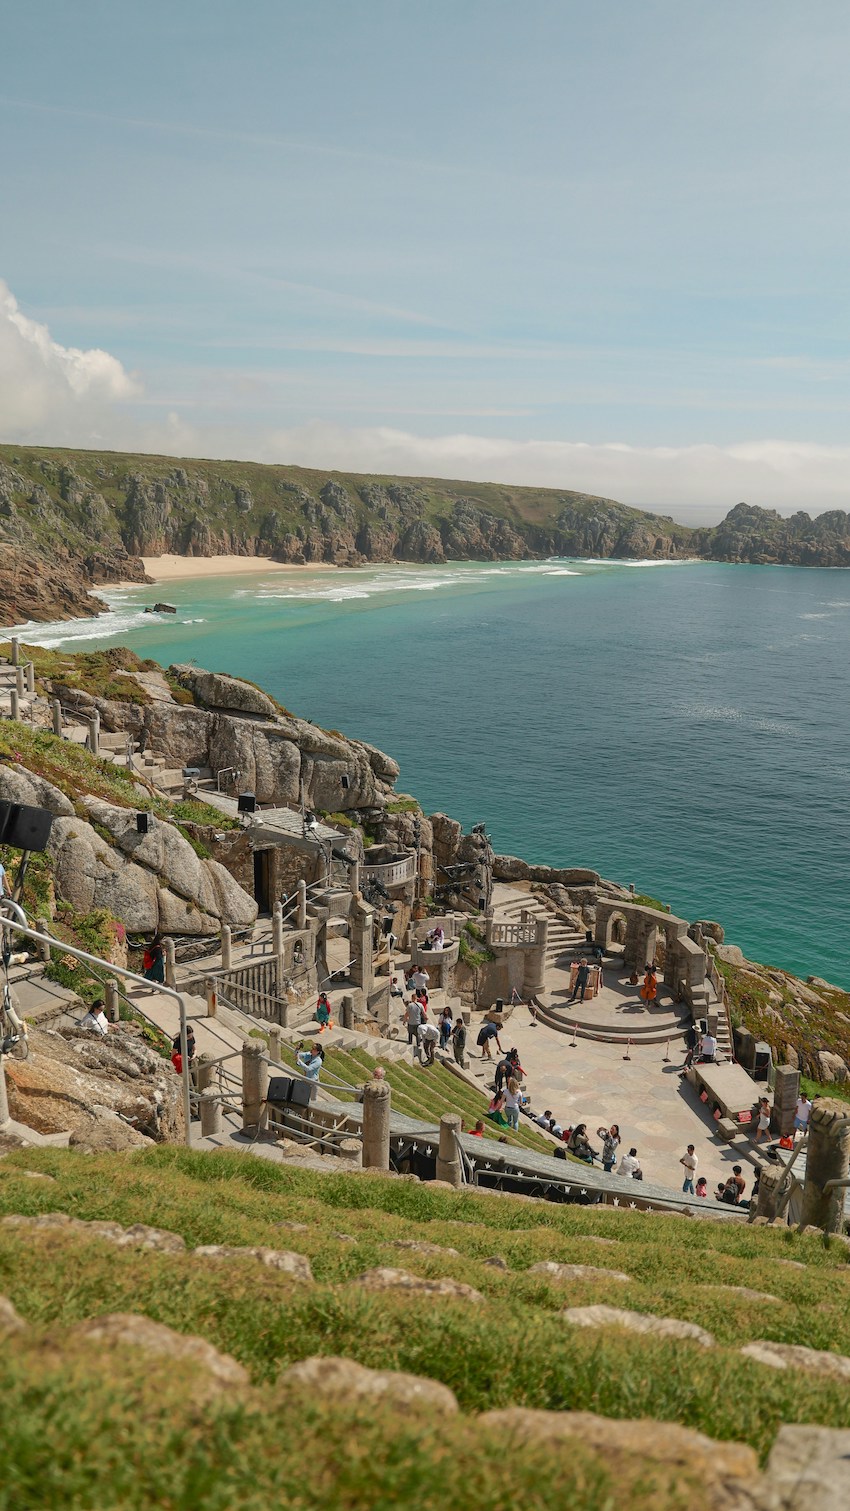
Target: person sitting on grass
[
  {"x": 323, "y": 1012},
  {"x": 580, "y": 1146},
  {"x": 478, "y": 1130},
  {"x": 496, "y": 1111}
]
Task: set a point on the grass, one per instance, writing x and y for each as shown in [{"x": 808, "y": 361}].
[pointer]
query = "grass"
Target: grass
[
  {"x": 766, "y": 1005},
  {"x": 93, "y": 932},
  {"x": 512, "y": 1349},
  {"x": 73, "y": 770},
  {"x": 472, "y": 949},
  {"x": 194, "y": 811},
  {"x": 643, "y": 900},
  {"x": 101, "y": 673}
]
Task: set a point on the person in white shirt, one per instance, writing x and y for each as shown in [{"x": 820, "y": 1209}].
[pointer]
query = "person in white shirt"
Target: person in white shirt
[
  {"x": 96, "y": 1019},
  {"x": 707, "y": 1048},
  {"x": 801, "y": 1113},
  {"x": 421, "y": 979},
  {"x": 690, "y": 1162},
  {"x": 428, "y": 1034},
  {"x": 629, "y": 1164}
]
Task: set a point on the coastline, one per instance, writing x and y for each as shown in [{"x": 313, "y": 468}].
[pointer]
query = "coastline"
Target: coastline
[{"x": 172, "y": 568}]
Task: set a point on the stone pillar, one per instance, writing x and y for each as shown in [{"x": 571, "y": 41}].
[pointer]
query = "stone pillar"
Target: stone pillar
[
  {"x": 346, "y": 1011},
  {"x": 274, "y": 1042},
  {"x": 204, "y": 1071},
  {"x": 785, "y": 1094},
  {"x": 376, "y": 1125},
  {"x": 827, "y": 1159},
  {"x": 650, "y": 944},
  {"x": 301, "y": 920},
  {"x": 534, "y": 960},
  {"x": 277, "y": 930},
  {"x": 211, "y": 1113},
  {"x": 212, "y": 997},
  {"x": 30, "y": 671},
  {"x": 283, "y": 1013},
  {"x": 15, "y": 705},
  {"x": 94, "y": 734},
  {"x": 4, "y": 1100},
  {"x": 711, "y": 1017},
  {"x": 361, "y": 970},
  {"x": 448, "y": 1158},
  {"x": 170, "y": 963},
  {"x": 226, "y": 947},
  {"x": 16, "y": 650},
  {"x": 354, "y": 878},
  {"x": 111, "y": 1001},
  {"x": 255, "y": 1085},
  {"x": 56, "y": 708},
  {"x": 19, "y": 681},
  {"x": 773, "y": 1185},
  {"x": 745, "y": 1048},
  {"x": 43, "y": 925}
]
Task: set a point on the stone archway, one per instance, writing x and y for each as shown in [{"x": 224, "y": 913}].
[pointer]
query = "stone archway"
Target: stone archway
[{"x": 616, "y": 929}]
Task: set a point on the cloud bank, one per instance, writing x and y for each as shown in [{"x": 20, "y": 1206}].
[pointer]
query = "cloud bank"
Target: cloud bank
[{"x": 57, "y": 395}]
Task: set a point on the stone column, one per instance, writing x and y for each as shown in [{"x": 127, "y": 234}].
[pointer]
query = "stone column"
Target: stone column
[
  {"x": 30, "y": 671},
  {"x": 448, "y": 1158},
  {"x": 16, "y": 650},
  {"x": 534, "y": 960},
  {"x": 346, "y": 1011},
  {"x": 354, "y": 878},
  {"x": 376, "y": 1125},
  {"x": 255, "y": 1085},
  {"x": 43, "y": 925},
  {"x": 361, "y": 970},
  {"x": 19, "y": 681},
  {"x": 111, "y": 1001},
  {"x": 785, "y": 1094},
  {"x": 94, "y": 734},
  {"x": 711, "y": 1018},
  {"x": 302, "y": 905},
  {"x": 204, "y": 1071},
  {"x": 277, "y": 930},
  {"x": 773, "y": 1185},
  {"x": 170, "y": 964},
  {"x": 226, "y": 947},
  {"x": 274, "y": 1042},
  {"x": 212, "y": 997},
  {"x": 56, "y": 709},
  {"x": 211, "y": 1113},
  {"x": 4, "y": 1100},
  {"x": 745, "y": 1046},
  {"x": 15, "y": 705},
  {"x": 827, "y": 1159}
]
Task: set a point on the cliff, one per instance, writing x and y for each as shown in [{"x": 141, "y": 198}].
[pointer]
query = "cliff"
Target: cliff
[{"x": 71, "y": 520}]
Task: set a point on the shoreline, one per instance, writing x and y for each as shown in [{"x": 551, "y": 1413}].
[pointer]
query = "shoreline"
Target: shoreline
[{"x": 173, "y": 568}]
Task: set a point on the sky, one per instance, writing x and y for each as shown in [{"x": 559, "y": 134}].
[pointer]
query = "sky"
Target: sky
[{"x": 598, "y": 247}]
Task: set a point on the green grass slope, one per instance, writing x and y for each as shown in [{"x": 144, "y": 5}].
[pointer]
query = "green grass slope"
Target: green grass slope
[{"x": 95, "y": 1427}]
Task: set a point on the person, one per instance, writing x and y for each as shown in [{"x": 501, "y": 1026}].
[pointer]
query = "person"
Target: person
[
  {"x": 503, "y": 1071},
  {"x": 728, "y": 1192},
  {"x": 707, "y": 1049},
  {"x": 478, "y": 1130},
  {"x": 323, "y": 1012},
  {"x": 580, "y": 983},
  {"x": 740, "y": 1183},
  {"x": 310, "y": 1057},
  {"x": 445, "y": 1026},
  {"x": 459, "y": 1041},
  {"x": 802, "y": 1113},
  {"x": 427, "y": 1035},
  {"x": 486, "y": 1033},
  {"x": 413, "y": 1016},
  {"x": 496, "y": 1111},
  {"x": 701, "y": 1187},
  {"x": 190, "y": 1042},
  {"x": 610, "y": 1143},
  {"x": 153, "y": 960},
  {"x": 96, "y": 1019},
  {"x": 763, "y": 1120},
  {"x": 421, "y": 979},
  {"x": 630, "y": 1164},
  {"x": 649, "y": 990},
  {"x": 5, "y": 887},
  {"x": 690, "y": 1160},
  {"x": 547, "y": 1121},
  {"x": 436, "y": 939},
  {"x": 513, "y": 1102},
  {"x": 395, "y": 989},
  {"x": 579, "y": 1144}
]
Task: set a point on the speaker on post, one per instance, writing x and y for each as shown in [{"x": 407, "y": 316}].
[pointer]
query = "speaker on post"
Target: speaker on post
[
  {"x": 143, "y": 823},
  {"x": 23, "y": 827},
  {"x": 246, "y": 802}
]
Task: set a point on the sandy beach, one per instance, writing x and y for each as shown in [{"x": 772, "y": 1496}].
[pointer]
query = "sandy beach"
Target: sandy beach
[{"x": 170, "y": 568}]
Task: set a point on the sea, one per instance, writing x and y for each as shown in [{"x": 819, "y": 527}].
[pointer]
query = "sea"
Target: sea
[{"x": 684, "y": 726}]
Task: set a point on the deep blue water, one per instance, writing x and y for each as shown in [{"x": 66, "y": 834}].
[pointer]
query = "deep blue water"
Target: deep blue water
[{"x": 685, "y": 727}]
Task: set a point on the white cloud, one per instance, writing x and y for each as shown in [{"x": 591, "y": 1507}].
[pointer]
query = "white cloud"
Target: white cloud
[
  {"x": 53, "y": 392},
  {"x": 56, "y": 395}
]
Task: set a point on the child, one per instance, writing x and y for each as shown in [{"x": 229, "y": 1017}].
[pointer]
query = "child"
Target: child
[
  {"x": 701, "y": 1187},
  {"x": 323, "y": 1012}
]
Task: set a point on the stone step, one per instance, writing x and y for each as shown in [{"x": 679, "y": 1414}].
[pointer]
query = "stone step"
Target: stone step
[{"x": 655, "y": 1033}]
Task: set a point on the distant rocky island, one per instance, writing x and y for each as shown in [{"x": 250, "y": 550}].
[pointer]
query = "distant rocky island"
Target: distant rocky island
[{"x": 73, "y": 520}]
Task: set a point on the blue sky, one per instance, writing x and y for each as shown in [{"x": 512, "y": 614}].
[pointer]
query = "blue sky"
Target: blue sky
[{"x": 597, "y": 246}]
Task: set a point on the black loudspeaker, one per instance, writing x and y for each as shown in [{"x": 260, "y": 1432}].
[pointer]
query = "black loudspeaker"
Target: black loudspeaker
[
  {"x": 25, "y": 828},
  {"x": 246, "y": 803},
  {"x": 280, "y": 1089},
  {"x": 301, "y": 1094},
  {"x": 143, "y": 823}
]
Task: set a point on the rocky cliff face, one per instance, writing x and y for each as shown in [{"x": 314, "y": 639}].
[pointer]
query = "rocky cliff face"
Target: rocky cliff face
[{"x": 72, "y": 520}]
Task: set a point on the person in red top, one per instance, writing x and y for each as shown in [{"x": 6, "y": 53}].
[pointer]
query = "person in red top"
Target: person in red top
[{"x": 478, "y": 1130}]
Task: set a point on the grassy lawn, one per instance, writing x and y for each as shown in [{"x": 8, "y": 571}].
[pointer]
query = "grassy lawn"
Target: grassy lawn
[{"x": 512, "y": 1349}]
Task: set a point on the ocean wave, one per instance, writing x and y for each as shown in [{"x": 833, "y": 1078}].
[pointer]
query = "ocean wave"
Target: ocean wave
[{"x": 718, "y": 714}]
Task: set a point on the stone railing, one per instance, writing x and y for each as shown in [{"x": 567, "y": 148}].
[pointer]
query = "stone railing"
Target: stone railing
[
  {"x": 393, "y": 873},
  {"x": 256, "y": 987},
  {"x": 444, "y": 958},
  {"x": 507, "y": 934}
]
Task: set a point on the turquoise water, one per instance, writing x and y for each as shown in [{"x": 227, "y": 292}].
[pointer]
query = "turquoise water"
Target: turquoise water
[{"x": 681, "y": 726}]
